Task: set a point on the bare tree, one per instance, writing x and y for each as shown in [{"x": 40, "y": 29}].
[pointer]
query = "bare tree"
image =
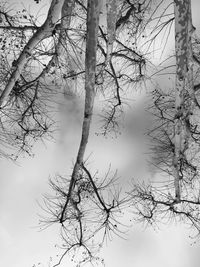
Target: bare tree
[
  {"x": 175, "y": 139},
  {"x": 85, "y": 205},
  {"x": 38, "y": 58},
  {"x": 73, "y": 47}
]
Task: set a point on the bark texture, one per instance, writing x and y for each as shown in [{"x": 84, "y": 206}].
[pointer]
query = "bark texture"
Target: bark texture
[{"x": 184, "y": 79}]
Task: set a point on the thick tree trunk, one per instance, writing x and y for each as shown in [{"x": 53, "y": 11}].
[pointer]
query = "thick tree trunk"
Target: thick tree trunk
[{"x": 183, "y": 103}]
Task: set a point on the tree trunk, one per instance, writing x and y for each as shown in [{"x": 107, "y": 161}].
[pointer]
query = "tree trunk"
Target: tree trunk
[
  {"x": 111, "y": 26},
  {"x": 93, "y": 11},
  {"x": 183, "y": 103}
]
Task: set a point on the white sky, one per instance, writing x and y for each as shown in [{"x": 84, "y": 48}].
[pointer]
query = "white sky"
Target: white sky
[{"x": 22, "y": 245}]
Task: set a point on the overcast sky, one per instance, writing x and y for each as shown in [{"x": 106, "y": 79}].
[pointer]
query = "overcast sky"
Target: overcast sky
[{"x": 22, "y": 186}]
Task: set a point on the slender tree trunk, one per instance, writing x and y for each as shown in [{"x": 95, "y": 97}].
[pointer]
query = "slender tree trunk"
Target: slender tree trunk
[
  {"x": 93, "y": 11},
  {"x": 43, "y": 32},
  {"x": 61, "y": 47},
  {"x": 66, "y": 14},
  {"x": 111, "y": 26}
]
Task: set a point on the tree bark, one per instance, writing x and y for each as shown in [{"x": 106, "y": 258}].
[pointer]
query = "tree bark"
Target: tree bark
[{"x": 183, "y": 106}]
